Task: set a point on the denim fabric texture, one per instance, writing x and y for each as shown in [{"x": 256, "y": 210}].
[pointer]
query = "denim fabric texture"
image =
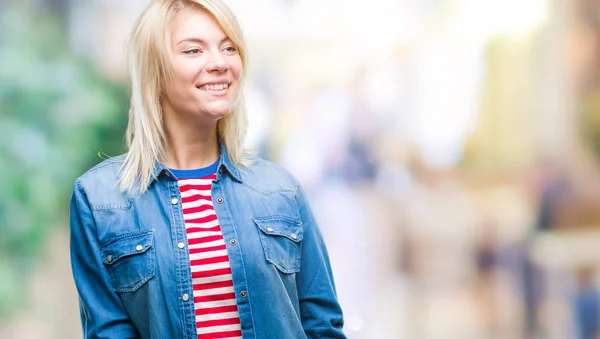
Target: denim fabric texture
[{"x": 134, "y": 279}]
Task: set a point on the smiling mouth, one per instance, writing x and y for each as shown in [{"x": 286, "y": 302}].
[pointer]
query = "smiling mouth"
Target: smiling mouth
[{"x": 214, "y": 87}]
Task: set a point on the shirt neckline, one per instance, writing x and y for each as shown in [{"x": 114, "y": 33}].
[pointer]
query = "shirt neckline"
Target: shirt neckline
[{"x": 196, "y": 172}]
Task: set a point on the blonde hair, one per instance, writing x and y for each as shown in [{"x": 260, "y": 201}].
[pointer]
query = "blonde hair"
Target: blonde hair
[{"x": 150, "y": 68}]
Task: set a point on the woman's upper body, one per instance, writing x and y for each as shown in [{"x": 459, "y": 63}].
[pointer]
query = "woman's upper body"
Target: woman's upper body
[
  {"x": 133, "y": 274},
  {"x": 130, "y": 242}
]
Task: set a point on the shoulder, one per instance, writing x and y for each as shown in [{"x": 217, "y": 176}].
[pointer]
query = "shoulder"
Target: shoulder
[
  {"x": 104, "y": 172},
  {"x": 267, "y": 177},
  {"x": 101, "y": 184}
]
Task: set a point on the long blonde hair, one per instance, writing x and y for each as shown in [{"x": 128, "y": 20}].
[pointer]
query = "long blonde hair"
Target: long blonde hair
[{"x": 150, "y": 69}]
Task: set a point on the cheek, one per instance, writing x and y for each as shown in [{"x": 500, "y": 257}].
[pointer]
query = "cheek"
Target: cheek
[
  {"x": 185, "y": 74},
  {"x": 180, "y": 87}
]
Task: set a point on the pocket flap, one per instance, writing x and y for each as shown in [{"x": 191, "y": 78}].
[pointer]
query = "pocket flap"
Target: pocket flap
[
  {"x": 126, "y": 245},
  {"x": 280, "y": 225}
]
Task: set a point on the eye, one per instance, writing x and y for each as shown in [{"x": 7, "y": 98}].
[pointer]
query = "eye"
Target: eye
[
  {"x": 230, "y": 49},
  {"x": 193, "y": 51}
]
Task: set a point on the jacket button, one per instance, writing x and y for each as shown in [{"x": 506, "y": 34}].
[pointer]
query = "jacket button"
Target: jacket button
[
  {"x": 109, "y": 258},
  {"x": 269, "y": 229},
  {"x": 174, "y": 201},
  {"x": 139, "y": 248},
  {"x": 233, "y": 241},
  {"x": 243, "y": 294},
  {"x": 181, "y": 245},
  {"x": 220, "y": 200},
  {"x": 294, "y": 236},
  {"x": 185, "y": 297}
]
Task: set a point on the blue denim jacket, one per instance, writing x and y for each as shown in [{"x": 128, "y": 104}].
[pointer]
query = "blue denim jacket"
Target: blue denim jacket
[{"x": 131, "y": 275}]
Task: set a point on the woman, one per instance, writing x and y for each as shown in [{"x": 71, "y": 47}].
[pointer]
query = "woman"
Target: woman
[{"x": 185, "y": 236}]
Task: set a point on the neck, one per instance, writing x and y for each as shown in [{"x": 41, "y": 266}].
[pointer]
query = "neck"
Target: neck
[{"x": 190, "y": 146}]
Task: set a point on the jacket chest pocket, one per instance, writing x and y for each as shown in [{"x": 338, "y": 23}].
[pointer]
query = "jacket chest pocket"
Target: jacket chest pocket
[
  {"x": 281, "y": 238},
  {"x": 130, "y": 260}
]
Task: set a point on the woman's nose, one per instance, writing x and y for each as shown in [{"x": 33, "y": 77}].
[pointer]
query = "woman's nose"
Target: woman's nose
[{"x": 217, "y": 63}]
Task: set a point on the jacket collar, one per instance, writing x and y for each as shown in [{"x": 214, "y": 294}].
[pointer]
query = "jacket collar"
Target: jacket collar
[{"x": 225, "y": 162}]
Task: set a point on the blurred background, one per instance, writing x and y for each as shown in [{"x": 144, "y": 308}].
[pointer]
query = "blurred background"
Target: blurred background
[{"x": 450, "y": 150}]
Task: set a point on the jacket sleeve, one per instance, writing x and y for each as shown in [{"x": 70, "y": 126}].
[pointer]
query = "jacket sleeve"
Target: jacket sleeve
[
  {"x": 101, "y": 310},
  {"x": 319, "y": 308}
]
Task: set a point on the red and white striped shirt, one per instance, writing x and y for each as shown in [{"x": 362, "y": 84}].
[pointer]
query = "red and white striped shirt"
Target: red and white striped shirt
[{"x": 214, "y": 296}]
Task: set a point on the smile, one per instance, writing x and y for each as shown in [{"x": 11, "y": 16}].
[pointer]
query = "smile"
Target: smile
[{"x": 214, "y": 87}]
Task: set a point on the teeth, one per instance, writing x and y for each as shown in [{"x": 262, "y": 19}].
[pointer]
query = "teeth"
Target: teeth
[{"x": 215, "y": 87}]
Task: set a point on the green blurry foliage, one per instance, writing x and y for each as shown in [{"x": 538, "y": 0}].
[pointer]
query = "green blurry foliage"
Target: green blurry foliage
[
  {"x": 57, "y": 112},
  {"x": 589, "y": 110}
]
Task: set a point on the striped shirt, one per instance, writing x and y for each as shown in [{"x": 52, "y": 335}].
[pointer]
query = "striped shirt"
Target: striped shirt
[{"x": 214, "y": 296}]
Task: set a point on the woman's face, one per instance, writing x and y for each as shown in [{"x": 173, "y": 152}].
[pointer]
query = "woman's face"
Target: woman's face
[{"x": 207, "y": 68}]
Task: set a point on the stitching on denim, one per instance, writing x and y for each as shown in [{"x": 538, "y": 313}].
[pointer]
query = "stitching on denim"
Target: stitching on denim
[
  {"x": 279, "y": 217},
  {"x": 299, "y": 235},
  {"x": 296, "y": 227},
  {"x": 103, "y": 164},
  {"x": 268, "y": 192},
  {"x": 130, "y": 197},
  {"x": 297, "y": 198},
  {"x": 105, "y": 207},
  {"x": 301, "y": 224},
  {"x": 114, "y": 239},
  {"x": 226, "y": 204},
  {"x": 112, "y": 207},
  {"x": 126, "y": 254},
  {"x": 136, "y": 285},
  {"x": 170, "y": 189},
  {"x": 264, "y": 239}
]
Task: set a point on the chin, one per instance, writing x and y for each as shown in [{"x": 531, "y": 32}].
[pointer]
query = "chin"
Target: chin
[{"x": 219, "y": 112}]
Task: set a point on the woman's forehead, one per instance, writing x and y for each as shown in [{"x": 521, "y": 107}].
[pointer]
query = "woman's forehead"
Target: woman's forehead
[{"x": 194, "y": 24}]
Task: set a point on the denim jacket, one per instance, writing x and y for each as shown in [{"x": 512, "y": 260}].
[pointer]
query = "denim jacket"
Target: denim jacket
[{"x": 132, "y": 274}]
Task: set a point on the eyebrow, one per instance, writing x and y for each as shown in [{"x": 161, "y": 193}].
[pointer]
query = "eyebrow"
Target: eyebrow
[{"x": 200, "y": 41}]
